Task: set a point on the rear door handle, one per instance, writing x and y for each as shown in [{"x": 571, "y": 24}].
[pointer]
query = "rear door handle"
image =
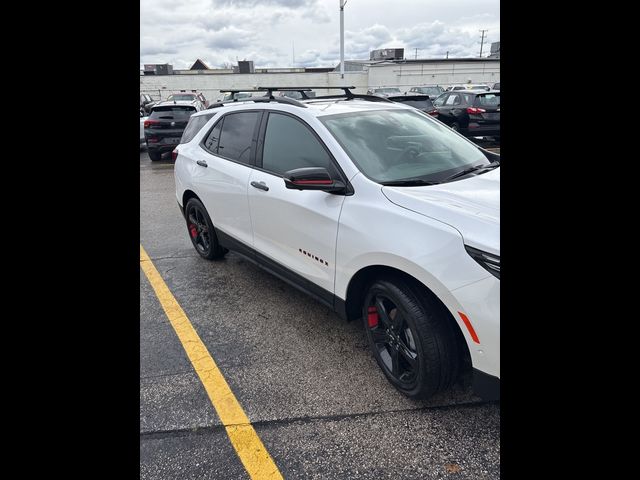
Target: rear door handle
[
  {"x": 202, "y": 163},
  {"x": 260, "y": 185}
]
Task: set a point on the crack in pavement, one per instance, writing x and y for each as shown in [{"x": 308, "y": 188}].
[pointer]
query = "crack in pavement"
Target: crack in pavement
[{"x": 210, "y": 429}]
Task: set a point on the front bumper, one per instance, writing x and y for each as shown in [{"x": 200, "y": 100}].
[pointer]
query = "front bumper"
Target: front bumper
[{"x": 486, "y": 386}]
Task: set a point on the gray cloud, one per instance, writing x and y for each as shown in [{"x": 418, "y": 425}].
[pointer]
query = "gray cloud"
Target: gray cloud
[
  {"x": 219, "y": 31},
  {"x": 253, "y": 3},
  {"x": 229, "y": 38}
]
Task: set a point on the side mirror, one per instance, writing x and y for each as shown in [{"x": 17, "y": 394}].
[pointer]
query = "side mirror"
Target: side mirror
[{"x": 313, "y": 178}]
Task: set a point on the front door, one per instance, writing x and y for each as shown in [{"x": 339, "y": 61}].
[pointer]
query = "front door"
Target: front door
[{"x": 294, "y": 229}]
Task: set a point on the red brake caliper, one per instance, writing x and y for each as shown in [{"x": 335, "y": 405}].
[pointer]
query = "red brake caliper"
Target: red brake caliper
[
  {"x": 193, "y": 230},
  {"x": 372, "y": 317}
]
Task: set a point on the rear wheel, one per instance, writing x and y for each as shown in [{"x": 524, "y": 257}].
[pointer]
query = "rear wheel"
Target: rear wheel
[
  {"x": 411, "y": 338},
  {"x": 201, "y": 232},
  {"x": 154, "y": 156}
]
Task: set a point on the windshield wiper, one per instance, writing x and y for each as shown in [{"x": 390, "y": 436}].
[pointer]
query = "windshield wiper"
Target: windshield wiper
[
  {"x": 473, "y": 169},
  {"x": 408, "y": 182}
]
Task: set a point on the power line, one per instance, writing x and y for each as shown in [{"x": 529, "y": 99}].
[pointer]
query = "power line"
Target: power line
[{"x": 482, "y": 41}]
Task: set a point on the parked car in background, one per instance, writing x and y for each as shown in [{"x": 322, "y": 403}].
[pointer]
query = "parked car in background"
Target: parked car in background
[
  {"x": 146, "y": 102},
  {"x": 143, "y": 118},
  {"x": 434, "y": 91},
  {"x": 472, "y": 113},
  {"x": 496, "y": 86},
  {"x": 384, "y": 92},
  {"x": 192, "y": 96},
  {"x": 165, "y": 125},
  {"x": 421, "y": 102},
  {"x": 468, "y": 86}
]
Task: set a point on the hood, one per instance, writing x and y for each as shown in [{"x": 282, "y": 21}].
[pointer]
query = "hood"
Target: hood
[{"x": 470, "y": 205}]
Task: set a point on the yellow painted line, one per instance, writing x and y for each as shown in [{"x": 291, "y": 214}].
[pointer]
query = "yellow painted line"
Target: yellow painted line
[{"x": 245, "y": 440}]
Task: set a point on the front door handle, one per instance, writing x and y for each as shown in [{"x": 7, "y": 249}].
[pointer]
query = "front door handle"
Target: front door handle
[
  {"x": 260, "y": 185},
  {"x": 202, "y": 163}
]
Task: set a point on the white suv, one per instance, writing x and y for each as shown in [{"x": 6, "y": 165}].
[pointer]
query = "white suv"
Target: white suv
[{"x": 375, "y": 209}]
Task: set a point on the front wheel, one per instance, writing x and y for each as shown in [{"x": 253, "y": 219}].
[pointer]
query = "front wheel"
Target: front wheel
[
  {"x": 411, "y": 338},
  {"x": 154, "y": 156},
  {"x": 201, "y": 232},
  {"x": 455, "y": 127}
]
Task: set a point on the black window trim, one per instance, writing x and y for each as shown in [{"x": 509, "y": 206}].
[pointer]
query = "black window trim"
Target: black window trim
[
  {"x": 254, "y": 137},
  {"x": 260, "y": 146}
]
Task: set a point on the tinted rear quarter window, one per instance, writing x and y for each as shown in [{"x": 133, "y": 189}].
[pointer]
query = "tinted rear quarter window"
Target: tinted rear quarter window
[
  {"x": 194, "y": 126},
  {"x": 236, "y": 136}
]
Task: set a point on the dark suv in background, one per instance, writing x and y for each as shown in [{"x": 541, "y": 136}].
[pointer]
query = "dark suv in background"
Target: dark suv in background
[
  {"x": 165, "y": 125},
  {"x": 472, "y": 113}
]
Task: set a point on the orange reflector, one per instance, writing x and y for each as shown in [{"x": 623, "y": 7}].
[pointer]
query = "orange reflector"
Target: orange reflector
[{"x": 466, "y": 321}]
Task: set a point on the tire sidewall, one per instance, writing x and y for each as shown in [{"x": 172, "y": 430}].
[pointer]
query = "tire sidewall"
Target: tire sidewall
[
  {"x": 213, "y": 241},
  {"x": 391, "y": 291}
]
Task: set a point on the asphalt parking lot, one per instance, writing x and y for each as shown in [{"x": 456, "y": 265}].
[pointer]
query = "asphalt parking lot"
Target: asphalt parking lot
[{"x": 305, "y": 378}]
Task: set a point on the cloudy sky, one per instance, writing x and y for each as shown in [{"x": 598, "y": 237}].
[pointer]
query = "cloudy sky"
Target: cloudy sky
[{"x": 271, "y": 32}]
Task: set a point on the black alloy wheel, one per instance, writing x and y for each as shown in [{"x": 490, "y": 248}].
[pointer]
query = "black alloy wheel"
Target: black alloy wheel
[
  {"x": 411, "y": 338},
  {"x": 201, "y": 231}
]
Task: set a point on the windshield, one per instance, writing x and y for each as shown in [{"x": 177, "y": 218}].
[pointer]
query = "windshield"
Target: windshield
[
  {"x": 392, "y": 145},
  {"x": 181, "y": 97},
  {"x": 387, "y": 90}
]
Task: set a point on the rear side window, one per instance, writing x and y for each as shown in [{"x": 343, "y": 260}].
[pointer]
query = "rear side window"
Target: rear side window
[
  {"x": 172, "y": 112},
  {"x": 236, "y": 136},
  {"x": 289, "y": 144},
  {"x": 194, "y": 126},
  {"x": 488, "y": 100}
]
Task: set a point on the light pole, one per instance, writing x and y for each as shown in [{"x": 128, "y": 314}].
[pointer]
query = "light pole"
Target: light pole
[{"x": 342, "y": 4}]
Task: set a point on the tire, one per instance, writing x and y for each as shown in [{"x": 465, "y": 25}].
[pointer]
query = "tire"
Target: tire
[
  {"x": 154, "y": 156},
  {"x": 422, "y": 338},
  {"x": 455, "y": 126},
  {"x": 201, "y": 231}
]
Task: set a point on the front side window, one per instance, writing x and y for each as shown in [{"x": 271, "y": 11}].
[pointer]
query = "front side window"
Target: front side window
[
  {"x": 398, "y": 145},
  {"x": 236, "y": 136},
  {"x": 438, "y": 102},
  {"x": 453, "y": 99},
  {"x": 289, "y": 144}
]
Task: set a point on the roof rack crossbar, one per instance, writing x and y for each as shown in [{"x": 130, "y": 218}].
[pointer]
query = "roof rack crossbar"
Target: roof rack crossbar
[
  {"x": 351, "y": 96},
  {"x": 264, "y": 99}
]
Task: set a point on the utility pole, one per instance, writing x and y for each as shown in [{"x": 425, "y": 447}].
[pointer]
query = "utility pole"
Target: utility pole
[
  {"x": 416, "y": 57},
  {"x": 447, "y": 53},
  {"x": 342, "y": 4},
  {"x": 482, "y": 41},
  {"x": 293, "y": 53}
]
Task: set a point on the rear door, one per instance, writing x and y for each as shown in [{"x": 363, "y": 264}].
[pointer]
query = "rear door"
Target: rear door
[
  {"x": 220, "y": 169},
  {"x": 449, "y": 111},
  {"x": 294, "y": 229}
]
